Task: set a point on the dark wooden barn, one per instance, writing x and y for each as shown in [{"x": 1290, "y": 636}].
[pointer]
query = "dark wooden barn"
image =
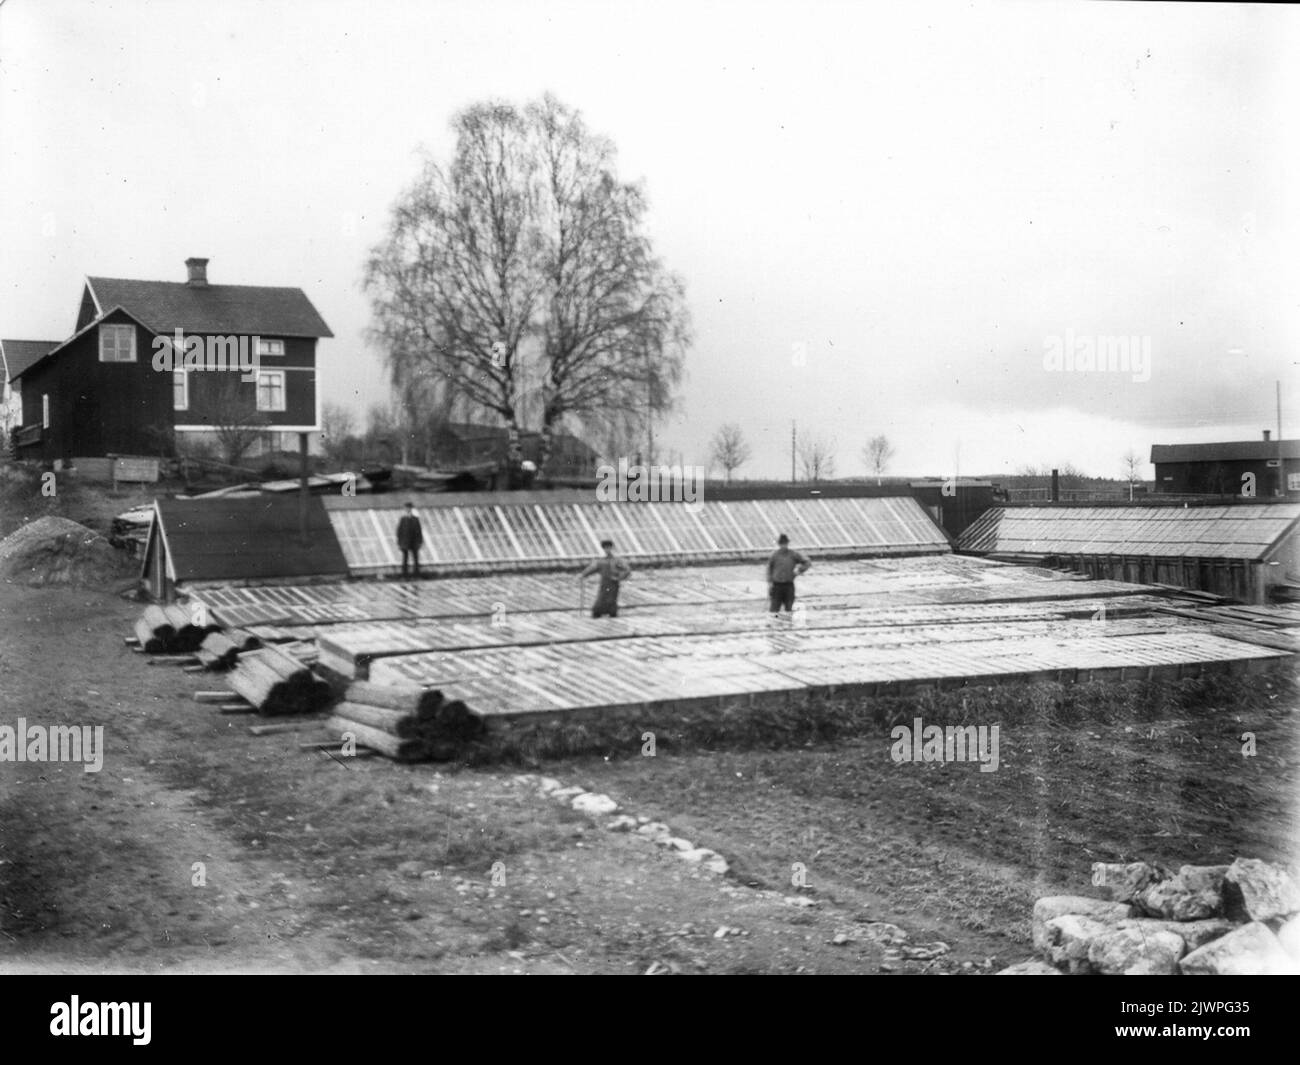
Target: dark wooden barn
[{"x": 1260, "y": 469}]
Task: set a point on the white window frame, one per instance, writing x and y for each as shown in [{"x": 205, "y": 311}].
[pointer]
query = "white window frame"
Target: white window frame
[
  {"x": 45, "y": 410},
  {"x": 284, "y": 398},
  {"x": 183, "y": 377},
  {"x": 114, "y": 329},
  {"x": 266, "y": 347}
]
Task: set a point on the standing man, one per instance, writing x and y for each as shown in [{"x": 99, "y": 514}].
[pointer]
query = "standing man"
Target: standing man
[
  {"x": 612, "y": 570},
  {"x": 410, "y": 537},
  {"x": 782, "y": 568}
]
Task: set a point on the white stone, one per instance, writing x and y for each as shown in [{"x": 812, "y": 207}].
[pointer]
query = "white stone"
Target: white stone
[
  {"x": 1059, "y": 905},
  {"x": 1252, "y": 950},
  {"x": 591, "y": 803},
  {"x": 1032, "y": 967}
]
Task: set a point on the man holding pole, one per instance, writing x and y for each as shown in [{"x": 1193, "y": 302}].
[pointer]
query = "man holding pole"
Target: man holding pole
[
  {"x": 612, "y": 570},
  {"x": 782, "y": 568}
]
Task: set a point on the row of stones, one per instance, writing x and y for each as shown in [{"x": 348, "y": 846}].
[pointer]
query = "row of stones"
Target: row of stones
[
  {"x": 1224, "y": 920},
  {"x": 595, "y": 804}
]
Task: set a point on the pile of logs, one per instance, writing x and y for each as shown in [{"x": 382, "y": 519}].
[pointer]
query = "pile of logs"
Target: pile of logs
[
  {"x": 170, "y": 630},
  {"x": 276, "y": 683},
  {"x": 408, "y": 724},
  {"x": 221, "y": 650}
]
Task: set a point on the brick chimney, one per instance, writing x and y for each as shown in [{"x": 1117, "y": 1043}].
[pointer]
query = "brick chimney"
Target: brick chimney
[
  {"x": 1266, "y": 432},
  {"x": 198, "y": 271}
]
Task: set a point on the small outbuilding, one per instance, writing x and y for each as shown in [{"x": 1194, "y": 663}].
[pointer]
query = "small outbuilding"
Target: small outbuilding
[{"x": 229, "y": 541}]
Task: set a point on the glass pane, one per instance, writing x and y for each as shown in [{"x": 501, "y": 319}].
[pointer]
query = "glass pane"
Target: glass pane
[
  {"x": 573, "y": 537},
  {"x": 683, "y": 524}
]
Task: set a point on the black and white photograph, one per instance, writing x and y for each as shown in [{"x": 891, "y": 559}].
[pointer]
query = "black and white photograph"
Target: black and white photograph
[{"x": 503, "y": 488}]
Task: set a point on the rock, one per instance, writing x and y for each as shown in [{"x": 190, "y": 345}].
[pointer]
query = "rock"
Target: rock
[
  {"x": 655, "y": 830},
  {"x": 567, "y": 793},
  {"x": 621, "y": 823},
  {"x": 413, "y": 870},
  {"x": 716, "y": 864},
  {"x": 924, "y": 951},
  {"x": 548, "y": 784},
  {"x": 1123, "y": 882},
  {"x": 1031, "y": 967},
  {"x": 591, "y": 803},
  {"x": 1193, "y": 933},
  {"x": 1195, "y": 893},
  {"x": 1258, "y": 891},
  {"x": 1059, "y": 905},
  {"x": 883, "y": 932},
  {"x": 1134, "y": 951},
  {"x": 1289, "y": 936},
  {"x": 1069, "y": 938},
  {"x": 840, "y": 939},
  {"x": 1251, "y": 950}
]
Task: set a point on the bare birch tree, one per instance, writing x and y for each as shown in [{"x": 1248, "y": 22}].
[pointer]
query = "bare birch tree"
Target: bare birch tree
[
  {"x": 817, "y": 457},
  {"x": 729, "y": 449},
  {"x": 521, "y": 277},
  {"x": 877, "y": 454}
]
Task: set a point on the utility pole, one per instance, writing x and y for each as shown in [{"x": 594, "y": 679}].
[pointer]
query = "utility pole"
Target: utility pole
[
  {"x": 1281, "y": 468},
  {"x": 792, "y": 438}
]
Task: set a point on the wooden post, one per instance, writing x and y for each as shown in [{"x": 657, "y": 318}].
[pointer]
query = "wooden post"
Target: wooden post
[{"x": 302, "y": 488}]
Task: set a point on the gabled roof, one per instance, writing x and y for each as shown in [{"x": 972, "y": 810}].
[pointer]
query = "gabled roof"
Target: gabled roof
[
  {"x": 231, "y": 309},
  {"x": 17, "y": 355},
  {"x": 1232, "y": 451},
  {"x": 241, "y": 539}
]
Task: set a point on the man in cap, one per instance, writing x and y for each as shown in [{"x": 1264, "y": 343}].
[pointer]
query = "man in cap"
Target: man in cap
[
  {"x": 410, "y": 537},
  {"x": 612, "y": 570},
  {"x": 782, "y": 568}
]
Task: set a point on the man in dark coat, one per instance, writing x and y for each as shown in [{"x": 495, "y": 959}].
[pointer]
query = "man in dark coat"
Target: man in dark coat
[
  {"x": 410, "y": 537},
  {"x": 612, "y": 570},
  {"x": 782, "y": 568}
]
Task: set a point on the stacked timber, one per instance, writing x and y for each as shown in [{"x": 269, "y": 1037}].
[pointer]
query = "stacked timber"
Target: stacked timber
[
  {"x": 276, "y": 683},
  {"x": 221, "y": 650},
  {"x": 408, "y": 724},
  {"x": 170, "y": 630}
]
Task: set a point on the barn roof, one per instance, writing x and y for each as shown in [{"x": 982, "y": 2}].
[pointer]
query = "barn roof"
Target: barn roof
[
  {"x": 1231, "y": 451},
  {"x": 241, "y": 539},
  {"x": 20, "y": 354},
  {"x": 1248, "y": 531},
  {"x": 233, "y": 309}
]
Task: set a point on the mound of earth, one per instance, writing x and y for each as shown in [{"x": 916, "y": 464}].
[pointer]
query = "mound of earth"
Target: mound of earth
[{"x": 54, "y": 550}]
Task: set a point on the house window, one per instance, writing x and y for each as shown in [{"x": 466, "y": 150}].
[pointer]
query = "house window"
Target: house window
[
  {"x": 270, "y": 390},
  {"x": 45, "y": 411},
  {"x": 270, "y": 347},
  {"x": 180, "y": 390},
  {"x": 117, "y": 343}
]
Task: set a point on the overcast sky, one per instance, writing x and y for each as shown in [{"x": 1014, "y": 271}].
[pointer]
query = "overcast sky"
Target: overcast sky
[{"x": 885, "y": 217}]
